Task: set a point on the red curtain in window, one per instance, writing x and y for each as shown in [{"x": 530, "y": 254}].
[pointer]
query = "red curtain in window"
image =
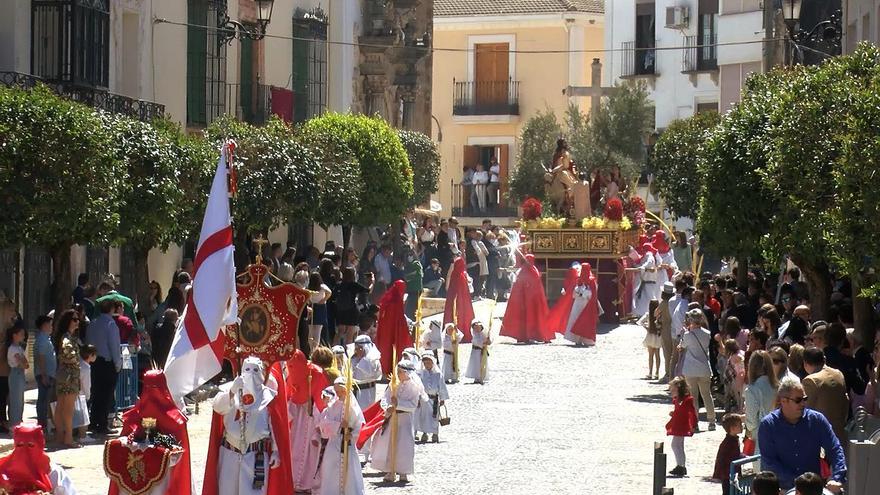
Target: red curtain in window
[{"x": 282, "y": 103}]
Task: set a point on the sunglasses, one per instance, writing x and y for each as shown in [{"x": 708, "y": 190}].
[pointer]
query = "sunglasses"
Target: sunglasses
[
  {"x": 778, "y": 361},
  {"x": 797, "y": 400}
]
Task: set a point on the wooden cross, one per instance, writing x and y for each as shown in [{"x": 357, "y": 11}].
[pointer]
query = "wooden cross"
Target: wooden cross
[
  {"x": 260, "y": 242},
  {"x": 595, "y": 90}
]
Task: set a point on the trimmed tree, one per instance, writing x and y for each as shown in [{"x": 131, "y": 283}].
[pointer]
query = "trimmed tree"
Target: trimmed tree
[
  {"x": 149, "y": 209},
  {"x": 537, "y": 144},
  {"x": 339, "y": 182},
  {"x": 424, "y": 158},
  {"x": 732, "y": 157},
  {"x": 676, "y": 155},
  {"x": 60, "y": 177},
  {"x": 276, "y": 177},
  {"x": 384, "y": 167}
]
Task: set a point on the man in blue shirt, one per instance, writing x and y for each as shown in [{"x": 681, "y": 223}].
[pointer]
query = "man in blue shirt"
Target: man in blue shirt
[
  {"x": 104, "y": 335},
  {"x": 44, "y": 368},
  {"x": 791, "y": 438}
]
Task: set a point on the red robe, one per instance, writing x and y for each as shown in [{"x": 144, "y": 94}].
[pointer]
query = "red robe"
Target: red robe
[
  {"x": 279, "y": 480},
  {"x": 662, "y": 247},
  {"x": 459, "y": 297},
  {"x": 298, "y": 370},
  {"x": 585, "y": 325},
  {"x": 392, "y": 331},
  {"x": 26, "y": 470},
  {"x": 684, "y": 418},
  {"x": 155, "y": 401},
  {"x": 526, "y": 315},
  {"x": 557, "y": 318}
]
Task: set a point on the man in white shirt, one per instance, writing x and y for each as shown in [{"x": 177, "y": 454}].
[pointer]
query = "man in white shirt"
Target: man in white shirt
[{"x": 494, "y": 181}]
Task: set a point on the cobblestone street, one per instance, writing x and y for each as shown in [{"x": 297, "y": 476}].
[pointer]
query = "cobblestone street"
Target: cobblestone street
[{"x": 553, "y": 419}]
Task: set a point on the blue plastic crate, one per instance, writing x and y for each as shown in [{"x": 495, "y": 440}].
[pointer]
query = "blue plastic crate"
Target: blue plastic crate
[
  {"x": 127, "y": 382},
  {"x": 741, "y": 484}
]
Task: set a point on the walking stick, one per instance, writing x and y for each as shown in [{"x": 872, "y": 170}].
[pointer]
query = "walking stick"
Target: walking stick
[
  {"x": 346, "y": 431},
  {"x": 484, "y": 354},
  {"x": 392, "y": 448}
]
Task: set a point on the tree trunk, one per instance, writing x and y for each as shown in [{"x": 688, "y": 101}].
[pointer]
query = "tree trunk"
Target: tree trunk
[
  {"x": 863, "y": 312},
  {"x": 818, "y": 278},
  {"x": 62, "y": 285},
  {"x": 242, "y": 251},
  {"x": 142, "y": 280},
  {"x": 742, "y": 274},
  {"x": 346, "y": 236}
]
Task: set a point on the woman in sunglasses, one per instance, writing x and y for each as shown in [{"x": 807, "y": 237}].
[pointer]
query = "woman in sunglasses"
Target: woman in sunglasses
[{"x": 67, "y": 384}]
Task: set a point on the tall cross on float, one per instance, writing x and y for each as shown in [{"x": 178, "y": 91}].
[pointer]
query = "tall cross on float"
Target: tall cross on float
[{"x": 595, "y": 90}]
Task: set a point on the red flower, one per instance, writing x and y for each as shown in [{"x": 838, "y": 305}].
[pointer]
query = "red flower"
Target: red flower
[
  {"x": 614, "y": 209},
  {"x": 532, "y": 209},
  {"x": 636, "y": 203}
]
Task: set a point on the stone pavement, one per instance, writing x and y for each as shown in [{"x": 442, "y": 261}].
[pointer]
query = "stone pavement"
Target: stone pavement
[{"x": 553, "y": 419}]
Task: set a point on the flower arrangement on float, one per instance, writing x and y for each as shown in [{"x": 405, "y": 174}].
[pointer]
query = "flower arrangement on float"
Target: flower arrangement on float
[{"x": 612, "y": 219}]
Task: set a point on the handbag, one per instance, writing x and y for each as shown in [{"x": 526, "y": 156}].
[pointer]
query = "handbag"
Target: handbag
[
  {"x": 748, "y": 447},
  {"x": 444, "y": 416}
]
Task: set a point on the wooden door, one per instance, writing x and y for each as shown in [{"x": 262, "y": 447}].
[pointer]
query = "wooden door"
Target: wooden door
[
  {"x": 491, "y": 73},
  {"x": 504, "y": 171}
]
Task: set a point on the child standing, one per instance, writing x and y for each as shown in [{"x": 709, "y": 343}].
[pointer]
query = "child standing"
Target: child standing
[
  {"x": 45, "y": 365},
  {"x": 480, "y": 346},
  {"x": 652, "y": 341},
  {"x": 428, "y": 413},
  {"x": 682, "y": 422},
  {"x": 729, "y": 450},
  {"x": 451, "y": 337},
  {"x": 87, "y": 356},
  {"x": 18, "y": 363}
]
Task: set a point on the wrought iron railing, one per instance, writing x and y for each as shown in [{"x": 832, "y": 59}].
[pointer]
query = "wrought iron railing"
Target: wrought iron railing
[
  {"x": 486, "y": 98},
  {"x": 466, "y": 204},
  {"x": 94, "y": 97},
  {"x": 701, "y": 53},
  {"x": 637, "y": 60}
]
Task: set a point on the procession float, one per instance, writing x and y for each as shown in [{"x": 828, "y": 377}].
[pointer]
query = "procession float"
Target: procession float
[{"x": 589, "y": 218}]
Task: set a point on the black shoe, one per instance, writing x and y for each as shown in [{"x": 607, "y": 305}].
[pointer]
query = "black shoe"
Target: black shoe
[{"x": 678, "y": 472}]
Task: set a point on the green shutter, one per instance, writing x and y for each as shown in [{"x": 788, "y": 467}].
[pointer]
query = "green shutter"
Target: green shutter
[
  {"x": 196, "y": 62},
  {"x": 300, "y": 72},
  {"x": 246, "y": 78}
]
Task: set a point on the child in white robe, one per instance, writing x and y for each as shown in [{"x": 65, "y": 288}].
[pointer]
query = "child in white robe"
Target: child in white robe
[
  {"x": 404, "y": 401},
  {"x": 432, "y": 340},
  {"x": 428, "y": 414},
  {"x": 479, "y": 346},
  {"x": 366, "y": 370},
  {"x": 330, "y": 426},
  {"x": 451, "y": 366}
]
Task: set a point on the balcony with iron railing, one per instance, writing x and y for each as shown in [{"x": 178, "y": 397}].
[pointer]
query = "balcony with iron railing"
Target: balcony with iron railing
[
  {"x": 485, "y": 98},
  {"x": 637, "y": 61},
  {"x": 700, "y": 54},
  {"x": 466, "y": 204},
  {"x": 94, "y": 97}
]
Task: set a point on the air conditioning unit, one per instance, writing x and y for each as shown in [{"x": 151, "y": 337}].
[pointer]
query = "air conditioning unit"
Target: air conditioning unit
[{"x": 677, "y": 17}]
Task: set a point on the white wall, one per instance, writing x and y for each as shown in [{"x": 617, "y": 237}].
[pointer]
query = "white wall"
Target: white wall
[{"x": 864, "y": 15}]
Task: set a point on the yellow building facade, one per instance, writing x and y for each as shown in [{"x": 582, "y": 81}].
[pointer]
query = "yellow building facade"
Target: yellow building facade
[{"x": 496, "y": 64}]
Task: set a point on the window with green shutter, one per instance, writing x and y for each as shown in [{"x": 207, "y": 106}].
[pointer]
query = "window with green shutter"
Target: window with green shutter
[
  {"x": 309, "y": 64},
  {"x": 205, "y": 64}
]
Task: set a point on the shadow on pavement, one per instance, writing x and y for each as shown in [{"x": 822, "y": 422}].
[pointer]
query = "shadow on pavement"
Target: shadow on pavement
[{"x": 651, "y": 398}]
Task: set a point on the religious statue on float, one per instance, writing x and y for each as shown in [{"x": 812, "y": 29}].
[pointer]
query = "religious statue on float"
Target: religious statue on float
[{"x": 567, "y": 190}]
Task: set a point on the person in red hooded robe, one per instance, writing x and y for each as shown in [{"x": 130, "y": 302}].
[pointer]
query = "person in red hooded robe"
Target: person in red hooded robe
[
  {"x": 156, "y": 402},
  {"x": 248, "y": 453},
  {"x": 526, "y": 316},
  {"x": 392, "y": 331},
  {"x": 28, "y": 470},
  {"x": 557, "y": 318},
  {"x": 458, "y": 305},
  {"x": 584, "y": 315},
  {"x": 305, "y": 382}
]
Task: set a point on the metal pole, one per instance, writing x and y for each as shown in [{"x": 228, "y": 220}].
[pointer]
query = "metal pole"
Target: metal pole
[{"x": 659, "y": 469}]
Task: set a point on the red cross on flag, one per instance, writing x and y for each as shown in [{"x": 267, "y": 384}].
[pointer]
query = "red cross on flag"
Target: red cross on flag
[{"x": 197, "y": 349}]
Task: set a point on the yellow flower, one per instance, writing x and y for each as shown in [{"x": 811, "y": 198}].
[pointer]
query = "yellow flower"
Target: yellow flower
[{"x": 625, "y": 224}]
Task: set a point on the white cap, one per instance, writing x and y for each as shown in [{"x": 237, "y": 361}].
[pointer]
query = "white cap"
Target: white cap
[
  {"x": 338, "y": 349},
  {"x": 363, "y": 340}
]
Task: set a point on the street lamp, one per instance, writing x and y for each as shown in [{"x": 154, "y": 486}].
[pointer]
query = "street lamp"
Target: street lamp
[
  {"x": 230, "y": 30},
  {"x": 827, "y": 31}
]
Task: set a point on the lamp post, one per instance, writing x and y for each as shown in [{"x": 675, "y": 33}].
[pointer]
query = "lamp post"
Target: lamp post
[
  {"x": 829, "y": 31},
  {"x": 229, "y": 30}
]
